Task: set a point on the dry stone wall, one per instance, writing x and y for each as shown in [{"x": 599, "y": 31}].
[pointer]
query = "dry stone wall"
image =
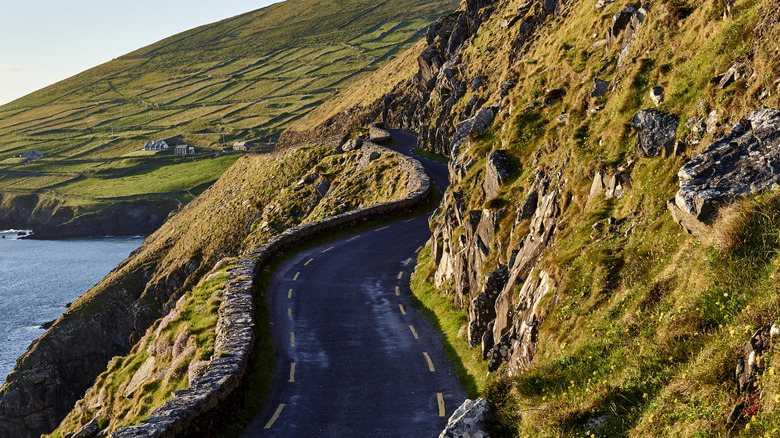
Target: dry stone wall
[{"x": 196, "y": 410}]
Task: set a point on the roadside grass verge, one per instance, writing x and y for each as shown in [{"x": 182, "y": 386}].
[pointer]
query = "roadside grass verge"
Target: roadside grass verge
[{"x": 449, "y": 319}]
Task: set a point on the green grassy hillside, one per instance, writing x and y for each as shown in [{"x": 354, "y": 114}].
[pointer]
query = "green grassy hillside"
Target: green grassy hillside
[
  {"x": 245, "y": 78},
  {"x": 642, "y": 327}
]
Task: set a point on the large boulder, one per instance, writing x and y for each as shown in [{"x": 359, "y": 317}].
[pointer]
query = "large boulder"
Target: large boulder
[
  {"x": 656, "y": 132},
  {"x": 469, "y": 420},
  {"x": 745, "y": 161},
  {"x": 497, "y": 171},
  {"x": 478, "y": 123}
]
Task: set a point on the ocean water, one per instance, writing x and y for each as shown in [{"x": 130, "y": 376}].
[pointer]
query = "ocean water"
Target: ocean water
[{"x": 38, "y": 278}]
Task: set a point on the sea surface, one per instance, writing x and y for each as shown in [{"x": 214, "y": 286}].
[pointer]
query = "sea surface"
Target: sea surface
[{"x": 38, "y": 278}]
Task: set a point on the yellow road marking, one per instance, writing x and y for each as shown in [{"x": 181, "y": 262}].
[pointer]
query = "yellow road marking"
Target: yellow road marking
[
  {"x": 289, "y": 314},
  {"x": 402, "y": 309},
  {"x": 410, "y": 220},
  {"x": 292, "y": 339},
  {"x": 430, "y": 362},
  {"x": 276, "y": 415},
  {"x": 328, "y": 249},
  {"x": 407, "y": 261},
  {"x": 414, "y": 332},
  {"x": 440, "y": 398},
  {"x": 296, "y": 276},
  {"x": 400, "y": 275},
  {"x": 289, "y": 294},
  {"x": 383, "y": 228},
  {"x": 292, "y": 372},
  {"x": 418, "y": 250},
  {"x": 397, "y": 291},
  {"x": 350, "y": 240},
  {"x": 307, "y": 263}
]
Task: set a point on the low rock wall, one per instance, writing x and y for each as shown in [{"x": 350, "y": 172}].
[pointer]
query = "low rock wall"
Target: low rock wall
[{"x": 197, "y": 410}]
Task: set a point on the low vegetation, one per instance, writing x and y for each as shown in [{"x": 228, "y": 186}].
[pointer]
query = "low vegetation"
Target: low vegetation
[
  {"x": 260, "y": 197},
  {"x": 241, "y": 79}
]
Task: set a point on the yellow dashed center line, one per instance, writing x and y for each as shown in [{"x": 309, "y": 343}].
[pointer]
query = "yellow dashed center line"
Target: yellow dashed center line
[
  {"x": 276, "y": 415},
  {"x": 383, "y": 228},
  {"x": 430, "y": 362},
  {"x": 296, "y": 276},
  {"x": 292, "y": 339},
  {"x": 414, "y": 332},
  {"x": 410, "y": 220},
  {"x": 350, "y": 240},
  {"x": 328, "y": 249},
  {"x": 418, "y": 250},
  {"x": 440, "y": 398},
  {"x": 402, "y": 309},
  {"x": 407, "y": 261},
  {"x": 400, "y": 275},
  {"x": 307, "y": 263},
  {"x": 289, "y": 314},
  {"x": 292, "y": 372},
  {"x": 289, "y": 294},
  {"x": 397, "y": 291}
]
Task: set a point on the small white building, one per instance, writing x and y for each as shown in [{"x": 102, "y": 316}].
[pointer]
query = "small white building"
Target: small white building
[
  {"x": 242, "y": 146},
  {"x": 34, "y": 155},
  {"x": 156, "y": 146},
  {"x": 184, "y": 149}
]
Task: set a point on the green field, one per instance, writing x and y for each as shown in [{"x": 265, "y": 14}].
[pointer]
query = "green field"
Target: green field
[{"x": 242, "y": 79}]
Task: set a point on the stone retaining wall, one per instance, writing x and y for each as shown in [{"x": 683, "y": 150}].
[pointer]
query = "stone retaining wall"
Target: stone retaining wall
[{"x": 197, "y": 410}]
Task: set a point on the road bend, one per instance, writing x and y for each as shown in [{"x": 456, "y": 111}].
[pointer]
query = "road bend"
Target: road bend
[{"x": 353, "y": 357}]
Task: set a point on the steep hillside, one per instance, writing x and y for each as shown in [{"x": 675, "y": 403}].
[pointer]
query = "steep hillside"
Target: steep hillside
[
  {"x": 241, "y": 79},
  {"x": 608, "y": 248},
  {"x": 258, "y": 198}
]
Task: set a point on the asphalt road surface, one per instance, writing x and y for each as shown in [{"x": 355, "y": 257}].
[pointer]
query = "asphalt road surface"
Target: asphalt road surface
[{"x": 353, "y": 356}]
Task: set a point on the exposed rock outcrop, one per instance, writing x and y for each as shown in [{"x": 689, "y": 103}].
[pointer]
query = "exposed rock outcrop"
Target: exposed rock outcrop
[
  {"x": 745, "y": 161},
  {"x": 483, "y": 308},
  {"x": 469, "y": 420},
  {"x": 626, "y": 22},
  {"x": 498, "y": 169},
  {"x": 655, "y": 133}
]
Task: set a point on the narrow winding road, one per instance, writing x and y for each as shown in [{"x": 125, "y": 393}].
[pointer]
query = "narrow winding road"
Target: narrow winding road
[{"x": 353, "y": 356}]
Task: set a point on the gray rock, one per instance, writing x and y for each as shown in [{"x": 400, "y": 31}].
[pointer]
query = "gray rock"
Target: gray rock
[
  {"x": 600, "y": 88},
  {"x": 367, "y": 157},
  {"x": 322, "y": 187},
  {"x": 656, "y": 132},
  {"x": 469, "y": 420},
  {"x": 476, "y": 84},
  {"x": 657, "y": 95},
  {"x": 379, "y": 135},
  {"x": 712, "y": 122},
  {"x": 497, "y": 170},
  {"x": 89, "y": 430},
  {"x": 478, "y": 123},
  {"x": 628, "y": 21},
  {"x": 745, "y": 161},
  {"x": 732, "y": 75},
  {"x": 482, "y": 310},
  {"x": 141, "y": 376},
  {"x": 619, "y": 23},
  {"x": 351, "y": 145}
]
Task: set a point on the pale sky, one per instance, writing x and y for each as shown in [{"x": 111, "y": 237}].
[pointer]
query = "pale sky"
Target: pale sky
[{"x": 45, "y": 41}]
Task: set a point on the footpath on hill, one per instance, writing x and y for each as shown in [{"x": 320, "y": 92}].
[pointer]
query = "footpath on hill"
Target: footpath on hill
[{"x": 353, "y": 356}]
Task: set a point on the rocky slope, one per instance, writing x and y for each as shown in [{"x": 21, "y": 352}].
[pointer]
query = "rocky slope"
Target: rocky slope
[{"x": 581, "y": 135}]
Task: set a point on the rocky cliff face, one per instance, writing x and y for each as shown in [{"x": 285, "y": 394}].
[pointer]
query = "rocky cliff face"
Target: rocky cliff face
[
  {"x": 568, "y": 126},
  {"x": 51, "y": 220}
]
